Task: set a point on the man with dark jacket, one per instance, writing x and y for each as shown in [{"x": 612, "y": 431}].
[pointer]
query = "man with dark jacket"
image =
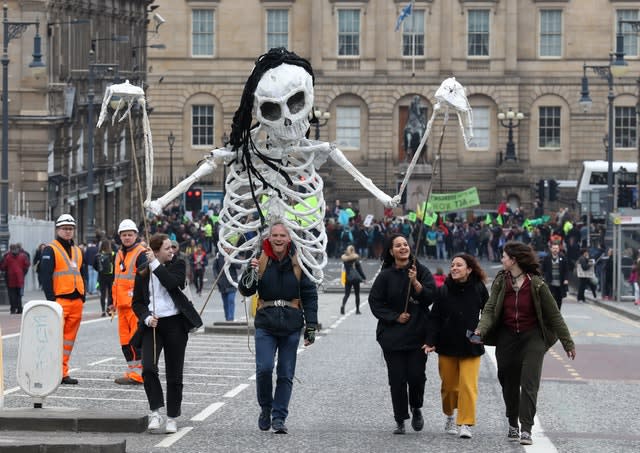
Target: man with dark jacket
[
  {"x": 287, "y": 300},
  {"x": 63, "y": 275},
  {"x": 555, "y": 270}
]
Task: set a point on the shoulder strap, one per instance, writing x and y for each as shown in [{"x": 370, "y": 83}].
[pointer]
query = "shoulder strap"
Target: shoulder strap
[{"x": 263, "y": 260}]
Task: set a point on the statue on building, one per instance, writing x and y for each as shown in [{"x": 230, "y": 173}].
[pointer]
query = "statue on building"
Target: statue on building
[{"x": 414, "y": 129}]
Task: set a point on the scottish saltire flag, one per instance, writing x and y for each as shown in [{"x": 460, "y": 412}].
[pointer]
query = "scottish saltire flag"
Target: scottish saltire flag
[{"x": 406, "y": 11}]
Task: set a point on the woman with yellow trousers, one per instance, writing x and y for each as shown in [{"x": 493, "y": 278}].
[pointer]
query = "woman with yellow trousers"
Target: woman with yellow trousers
[{"x": 456, "y": 309}]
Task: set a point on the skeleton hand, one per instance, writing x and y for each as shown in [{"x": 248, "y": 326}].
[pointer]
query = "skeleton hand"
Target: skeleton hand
[{"x": 154, "y": 207}]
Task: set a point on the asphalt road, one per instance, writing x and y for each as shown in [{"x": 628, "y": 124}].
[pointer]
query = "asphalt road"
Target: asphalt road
[{"x": 341, "y": 399}]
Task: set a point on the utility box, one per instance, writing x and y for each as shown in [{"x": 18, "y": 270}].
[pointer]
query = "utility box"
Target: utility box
[{"x": 39, "y": 366}]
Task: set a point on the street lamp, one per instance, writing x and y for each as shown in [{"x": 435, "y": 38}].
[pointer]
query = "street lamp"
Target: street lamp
[
  {"x": 225, "y": 140},
  {"x": 315, "y": 120},
  {"x": 172, "y": 140},
  {"x": 11, "y": 30},
  {"x": 510, "y": 115},
  {"x": 617, "y": 67}
]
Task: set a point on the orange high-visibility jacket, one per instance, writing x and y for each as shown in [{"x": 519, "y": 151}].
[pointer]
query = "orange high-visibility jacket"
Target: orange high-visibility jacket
[
  {"x": 124, "y": 276},
  {"x": 66, "y": 273}
]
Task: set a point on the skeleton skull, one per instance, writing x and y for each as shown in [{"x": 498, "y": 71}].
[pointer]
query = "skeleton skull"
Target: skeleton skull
[
  {"x": 283, "y": 101},
  {"x": 452, "y": 93}
]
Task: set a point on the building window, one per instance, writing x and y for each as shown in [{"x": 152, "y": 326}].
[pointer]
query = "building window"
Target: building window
[
  {"x": 202, "y": 34},
  {"x": 478, "y": 33},
  {"x": 202, "y": 125},
  {"x": 413, "y": 34},
  {"x": 348, "y": 127},
  {"x": 549, "y": 127},
  {"x": 277, "y": 28},
  {"x": 630, "y": 36},
  {"x": 480, "y": 128},
  {"x": 349, "y": 32},
  {"x": 625, "y": 127},
  {"x": 551, "y": 33}
]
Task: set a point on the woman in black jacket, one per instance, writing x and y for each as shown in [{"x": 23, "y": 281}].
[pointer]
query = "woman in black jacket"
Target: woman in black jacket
[
  {"x": 455, "y": 312},
  {"x": 165, "y": 316},
  {"x": 402, "y": 326},
  {"x": 354, "y": 275}
]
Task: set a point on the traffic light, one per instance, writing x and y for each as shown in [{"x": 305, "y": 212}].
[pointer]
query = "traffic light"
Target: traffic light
[
  {"x": 193, "y": 200},
  {"x": 553, "y": 190},
  {"x": 541, "y": 189}
]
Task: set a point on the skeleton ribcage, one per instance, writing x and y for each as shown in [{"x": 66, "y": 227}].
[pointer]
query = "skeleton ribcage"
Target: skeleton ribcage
[{"x": 300, "y": 206}]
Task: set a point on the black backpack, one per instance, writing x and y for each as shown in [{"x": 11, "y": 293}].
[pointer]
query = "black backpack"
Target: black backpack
[{"x": 105, "y": 263}]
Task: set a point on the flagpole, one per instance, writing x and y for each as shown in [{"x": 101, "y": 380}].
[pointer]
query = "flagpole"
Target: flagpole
[{"x": 413, "y": 39}]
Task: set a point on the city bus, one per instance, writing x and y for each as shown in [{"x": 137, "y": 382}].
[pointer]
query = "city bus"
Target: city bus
[{"x": 593, "y": 177}]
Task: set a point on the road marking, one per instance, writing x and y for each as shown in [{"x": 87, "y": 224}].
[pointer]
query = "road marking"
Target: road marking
[
  {"x": 233, "y": 392},
  {"x": 102, "y": 361},
  {"x": 173, "y": 438},
  {"x": 541, "y": 443},
  {"x": 206, "y": 412},
  {"x": 11, "y": 390}
]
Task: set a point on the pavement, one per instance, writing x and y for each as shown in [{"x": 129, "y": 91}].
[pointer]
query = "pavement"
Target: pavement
[{"x": 96, "y": 426}]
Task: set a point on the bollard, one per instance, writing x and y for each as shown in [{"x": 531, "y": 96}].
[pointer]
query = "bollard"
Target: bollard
[
  {"x": 39, "y": 365},
  {"x": 1, "y": 372}
]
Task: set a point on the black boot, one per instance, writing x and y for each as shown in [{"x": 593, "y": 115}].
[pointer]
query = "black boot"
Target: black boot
[
  {"x": 342, "y": 309},
  {"x": 358, "y": 309},
  {"x": 399, "y": 428},
  {"x": 417, "y": 422}
]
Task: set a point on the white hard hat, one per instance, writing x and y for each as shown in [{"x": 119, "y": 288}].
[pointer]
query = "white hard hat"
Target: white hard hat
[
  {"x": 65, "y": 219},
  {"x": 127, "y": 225}
]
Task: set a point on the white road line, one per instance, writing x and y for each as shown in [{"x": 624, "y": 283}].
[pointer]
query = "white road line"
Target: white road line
[
  {"x": 206, "y": 412},
  {"x": 233, "y": 392},
  {"x": 11, "y": 335},
  {"x": 252, "y": 377},
  {"x": 541, "y": 443},
  {"x": 102, "y": 361},
  {"x": 173, "y": 438}
]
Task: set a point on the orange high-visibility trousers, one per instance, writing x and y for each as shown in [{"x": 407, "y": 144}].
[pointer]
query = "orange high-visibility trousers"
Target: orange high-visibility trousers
[
  {"x": 71, "y": 315},
  {"x": 127, "y": 326}
]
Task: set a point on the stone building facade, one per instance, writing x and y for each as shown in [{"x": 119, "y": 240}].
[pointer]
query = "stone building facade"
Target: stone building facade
[
  {"x": 526, "y": 55},
  {"x": 86, "y": 45}
]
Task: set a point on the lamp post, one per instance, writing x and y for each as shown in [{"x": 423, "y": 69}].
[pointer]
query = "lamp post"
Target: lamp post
[
  {"x": 615, "y": 68},
  {"x": 11, "y": 30},
  {"x": 510, "y": 115},
  {"x": 315, "y": 120},
  {"x": 225, "y": 140},
  {"x": 172, "y": 140},
  {"x": 635, "y": 26}
]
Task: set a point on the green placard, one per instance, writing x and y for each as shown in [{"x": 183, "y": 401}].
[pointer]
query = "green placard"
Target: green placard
[{"x": 445, "y": 202}]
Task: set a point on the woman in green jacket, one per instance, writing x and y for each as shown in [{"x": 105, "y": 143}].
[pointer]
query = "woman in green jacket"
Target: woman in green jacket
[{"x": 521, "y": 319}]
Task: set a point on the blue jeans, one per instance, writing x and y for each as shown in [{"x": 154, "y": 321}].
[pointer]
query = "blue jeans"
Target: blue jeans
[
  {"x": 287, "y": 348},
  {"x": 92, "y": 280},
  {"x": 229, "y": 304}
]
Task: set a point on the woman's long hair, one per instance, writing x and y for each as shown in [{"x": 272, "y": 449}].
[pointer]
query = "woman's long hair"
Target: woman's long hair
[
  {"x": 240, "y": 139},
  {"x": 524, "y": 255},
  {"x": 476, "y": 271},
  {"x": 387, "y": 259}
]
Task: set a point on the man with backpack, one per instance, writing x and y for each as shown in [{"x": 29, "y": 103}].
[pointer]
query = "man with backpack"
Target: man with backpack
[{"x": 103, "y": 264}]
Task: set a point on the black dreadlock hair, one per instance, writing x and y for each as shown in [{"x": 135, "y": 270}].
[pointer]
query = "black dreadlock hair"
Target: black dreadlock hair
[{"x": 241, "y": 140}]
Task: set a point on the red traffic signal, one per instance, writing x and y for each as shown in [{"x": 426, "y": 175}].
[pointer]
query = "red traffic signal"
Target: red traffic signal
[{"x": 193, "y": 200}]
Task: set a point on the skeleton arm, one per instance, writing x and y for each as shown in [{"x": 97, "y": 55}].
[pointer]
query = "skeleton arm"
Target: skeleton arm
[
  {"x": 217, "y": 156},
  {"x": 339, "y": 158}
]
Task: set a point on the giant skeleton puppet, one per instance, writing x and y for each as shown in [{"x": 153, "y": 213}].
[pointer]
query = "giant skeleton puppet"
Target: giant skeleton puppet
[{"x": 272, "y": 166}]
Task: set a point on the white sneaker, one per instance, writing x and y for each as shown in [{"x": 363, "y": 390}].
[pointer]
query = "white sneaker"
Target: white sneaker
[
  {"x": 450, "y": 426},
  {"x": 155, "y": 420},
  {"x": 171, "y": 426},
  {"x": 465, "y": 431}
]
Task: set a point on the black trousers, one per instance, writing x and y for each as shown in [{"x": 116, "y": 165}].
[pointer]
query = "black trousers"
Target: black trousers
[
  {"x": 520, "y": 357},
  {"x": 556, "y": 292},
  {"x": 15, "y": 299},
  {"x": 406, "y": 370},
  {"x": 347, "y": 293},
  {"x": 171, "y": 335},
  {"x": 583, "y": 284}
]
